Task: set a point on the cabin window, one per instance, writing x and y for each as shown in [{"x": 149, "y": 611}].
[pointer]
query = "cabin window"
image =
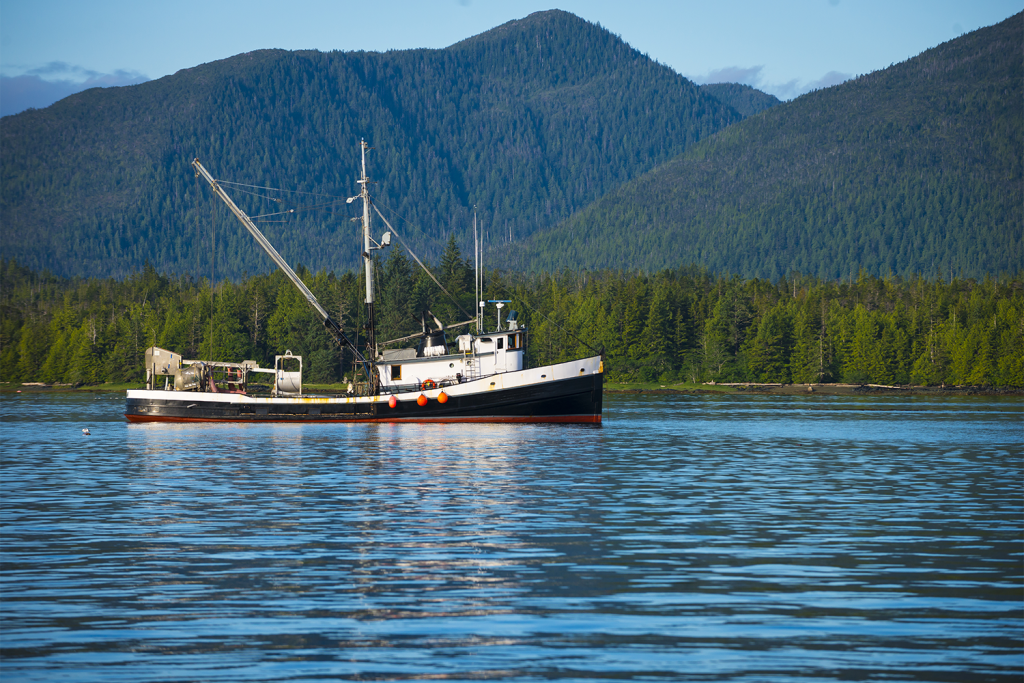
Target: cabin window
[
  {"x": 513, "y": 340},
  {"x": 396, "y": 372},
  {"x": 501, "y": 342}
]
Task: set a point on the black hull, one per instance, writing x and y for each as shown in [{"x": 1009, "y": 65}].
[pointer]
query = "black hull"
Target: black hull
[{"x": 574, "y": 400}]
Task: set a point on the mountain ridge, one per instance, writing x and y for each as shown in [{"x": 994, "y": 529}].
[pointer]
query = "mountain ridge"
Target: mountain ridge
[
  {"x": 553, "y": 126},
  {"x": 911, "y": 169},
  {"x": 525, "y": 121}
]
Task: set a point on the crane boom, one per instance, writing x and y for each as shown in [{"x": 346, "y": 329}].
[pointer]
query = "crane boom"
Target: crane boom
[{"x": 332, "y": 327}]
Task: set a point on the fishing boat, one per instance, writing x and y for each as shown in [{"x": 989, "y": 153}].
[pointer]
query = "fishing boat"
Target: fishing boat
[{"x": 477, "y": 376}]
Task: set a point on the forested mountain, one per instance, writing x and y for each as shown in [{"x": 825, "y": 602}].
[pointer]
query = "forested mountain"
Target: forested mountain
[
  {"x": 743, "y": 98},
  {"x": 530, "y": 122},
  {"x": 913, "y": 169}
]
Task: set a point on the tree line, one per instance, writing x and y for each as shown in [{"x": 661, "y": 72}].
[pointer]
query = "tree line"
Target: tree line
[{"x": 683, "y": 324}]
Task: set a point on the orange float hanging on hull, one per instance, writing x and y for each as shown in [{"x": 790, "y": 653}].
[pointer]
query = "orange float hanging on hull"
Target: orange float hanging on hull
[{"x": 421, "y": 401}]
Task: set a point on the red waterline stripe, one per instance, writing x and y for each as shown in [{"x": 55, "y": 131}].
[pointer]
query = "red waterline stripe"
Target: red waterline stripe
[{"x": 562, "y": 419}]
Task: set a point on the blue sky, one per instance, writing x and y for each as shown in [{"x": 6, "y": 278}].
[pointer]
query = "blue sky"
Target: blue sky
[{"x": 51, "y": 48}]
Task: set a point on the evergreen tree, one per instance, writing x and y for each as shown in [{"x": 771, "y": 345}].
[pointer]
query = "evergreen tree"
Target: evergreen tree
[
  {"x": 657, "y": 335},
  {"x": 768, "y": 349},
  {"x": 85, "y": 364}
]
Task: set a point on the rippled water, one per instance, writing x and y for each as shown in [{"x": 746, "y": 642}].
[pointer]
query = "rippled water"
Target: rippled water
[{"x": 698, "y": 538}]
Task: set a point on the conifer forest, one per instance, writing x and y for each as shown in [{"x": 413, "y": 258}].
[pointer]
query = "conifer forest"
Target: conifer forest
[{"x": 673, "y": 325}]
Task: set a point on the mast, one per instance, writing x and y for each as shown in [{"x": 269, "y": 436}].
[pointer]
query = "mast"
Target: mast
[
  {"x": 481, "y": 303},
  {"x": 371, "y": 336},
  {"x": 476, "y": 272}
]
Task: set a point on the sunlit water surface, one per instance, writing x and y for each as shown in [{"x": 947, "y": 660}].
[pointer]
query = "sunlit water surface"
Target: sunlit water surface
[{"x": 696, "y": 538}]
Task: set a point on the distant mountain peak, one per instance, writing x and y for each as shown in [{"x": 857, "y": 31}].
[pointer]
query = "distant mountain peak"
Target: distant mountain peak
[{"x": 555, "y": 20}]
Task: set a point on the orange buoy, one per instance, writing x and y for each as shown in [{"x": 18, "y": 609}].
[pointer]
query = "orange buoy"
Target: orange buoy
[
  {"x": 422, "y": 400},
  {"x": 392, "y": 402},
  {"x": 442, "y": 397}
]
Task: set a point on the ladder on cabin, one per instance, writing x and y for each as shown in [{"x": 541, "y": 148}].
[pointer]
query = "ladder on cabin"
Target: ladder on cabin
[{"x": 472, "y": 367}]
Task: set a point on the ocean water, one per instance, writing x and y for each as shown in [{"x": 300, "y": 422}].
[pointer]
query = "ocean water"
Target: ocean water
[{"x": 746, "y": 538}]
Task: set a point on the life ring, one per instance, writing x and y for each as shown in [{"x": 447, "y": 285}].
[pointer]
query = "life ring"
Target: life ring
[{"x": 428, "y": 384}]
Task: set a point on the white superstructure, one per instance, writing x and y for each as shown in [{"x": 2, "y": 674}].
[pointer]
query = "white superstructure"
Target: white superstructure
[{"x": 476, "y": 356}]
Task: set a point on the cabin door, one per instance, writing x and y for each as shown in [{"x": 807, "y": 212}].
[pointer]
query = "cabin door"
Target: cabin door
[{"x": 500, "y": 349}]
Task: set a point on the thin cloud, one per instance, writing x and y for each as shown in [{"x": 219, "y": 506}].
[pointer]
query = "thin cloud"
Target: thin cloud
[
  {"x": 784, "y": 91},
  {"x": 754, "y": 77},
  {"x": 42, "y": 86},
  {"x": 61, "y": 71},
  {"x": 749, "y": 75},
  {"x": 828, "y": 80}
]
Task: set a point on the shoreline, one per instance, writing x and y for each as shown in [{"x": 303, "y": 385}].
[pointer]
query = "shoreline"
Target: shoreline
[
  {"x": 732, "y": 388},
  {"x": 753, "y": 388}
]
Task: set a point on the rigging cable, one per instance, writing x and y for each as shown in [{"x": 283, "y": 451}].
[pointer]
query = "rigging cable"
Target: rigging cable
[
  {"x": 417, "y": 258},
  {"x": 238, "y": 186},
  {"x": 521, "y": 298},
  {"x": 527, "y": 305},
  {"x": 277, "y": 189},
  {"x": 257, "y": 194},
  {"x": 301, "y": 208}
]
